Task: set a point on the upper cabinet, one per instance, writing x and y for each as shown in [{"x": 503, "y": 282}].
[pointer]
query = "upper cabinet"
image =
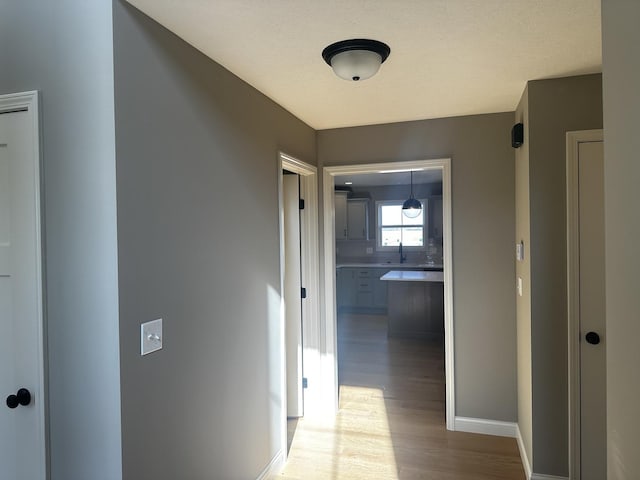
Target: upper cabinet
[
  {"x": 340, "y": 200},
  {"x": 358, "y": 219},
  {"x": 351, "y": 217},
  {"x": 435, "y": 217}
]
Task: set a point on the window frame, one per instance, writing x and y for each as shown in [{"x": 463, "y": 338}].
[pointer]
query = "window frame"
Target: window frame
[{"x": 415, "y": 248}]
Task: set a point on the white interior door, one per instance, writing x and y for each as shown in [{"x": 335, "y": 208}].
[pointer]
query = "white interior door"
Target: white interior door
[
  {"x": 593, "y": 433},
  {"x": 22, "y": 439},
  {"x": 292, "y": 294}
]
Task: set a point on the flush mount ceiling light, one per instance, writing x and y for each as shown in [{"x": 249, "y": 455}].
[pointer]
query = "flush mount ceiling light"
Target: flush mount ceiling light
[
  {"x": 411, "y": 207},
  {"x": 356, "y": 59}
]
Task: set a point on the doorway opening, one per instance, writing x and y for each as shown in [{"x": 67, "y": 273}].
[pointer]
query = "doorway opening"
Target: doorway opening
[
  {"x": 330, "y": 340},
  {"x": 300, "y": 285}
]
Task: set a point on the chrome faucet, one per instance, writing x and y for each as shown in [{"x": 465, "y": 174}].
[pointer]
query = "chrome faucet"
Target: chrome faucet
[{"x": 403, "y": 258}]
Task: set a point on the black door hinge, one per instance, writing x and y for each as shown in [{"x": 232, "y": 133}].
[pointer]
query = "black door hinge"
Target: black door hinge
[
  {"x": 301, "y": 204},
  {"x": 303, "y": 292}
]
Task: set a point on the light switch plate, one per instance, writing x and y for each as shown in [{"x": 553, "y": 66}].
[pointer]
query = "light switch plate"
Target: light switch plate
[
  {"x": 150, "y": 336},
  {"x": 369, "y": 250}
]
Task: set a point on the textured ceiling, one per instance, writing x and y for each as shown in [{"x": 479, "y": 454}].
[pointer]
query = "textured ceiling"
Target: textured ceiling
[{"x": 448, "y": 57}]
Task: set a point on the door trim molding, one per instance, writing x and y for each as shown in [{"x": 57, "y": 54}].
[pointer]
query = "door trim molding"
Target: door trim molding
[
  {"x": 310, "y": 268},
  {"x": 526, "y": 464},
  {"x": 329, "y": 337},
  {"x": 573, "y": 141},
  {"x": 28, "y": 103}
]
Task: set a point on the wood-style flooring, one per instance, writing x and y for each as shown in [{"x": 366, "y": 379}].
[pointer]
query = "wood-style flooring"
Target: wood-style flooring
[{"x": 391, "y": 423}]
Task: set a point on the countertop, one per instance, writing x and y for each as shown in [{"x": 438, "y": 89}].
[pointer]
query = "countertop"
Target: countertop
[
  {"x": 412, "y": 276},
  {"x": 389, "y": 265}
]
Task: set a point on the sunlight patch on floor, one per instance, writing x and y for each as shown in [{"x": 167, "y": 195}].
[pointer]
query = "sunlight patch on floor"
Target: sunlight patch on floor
[{"x": 356, "y": 444}]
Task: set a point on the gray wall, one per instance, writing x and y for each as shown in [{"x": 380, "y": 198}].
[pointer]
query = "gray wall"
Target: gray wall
[
  {"x": 622, "y": 176},
  {"x": 64, "y": 50},
  {"x": 523, "y": 270},
  {"x": 554, "y": 107},
  {"x": 198, "y": 246},
  {"x": 483, "y": 240}
]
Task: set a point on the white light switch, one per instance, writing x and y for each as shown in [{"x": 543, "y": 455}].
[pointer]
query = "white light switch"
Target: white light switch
[
  {"x": 519, "y": 285},
  {"x": 150, "y": 336}
]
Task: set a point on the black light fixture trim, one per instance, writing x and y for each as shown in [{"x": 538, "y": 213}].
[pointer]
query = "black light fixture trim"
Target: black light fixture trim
[
  {"x": 332, "y": 50},
  {"x": 411, "y": 203}
]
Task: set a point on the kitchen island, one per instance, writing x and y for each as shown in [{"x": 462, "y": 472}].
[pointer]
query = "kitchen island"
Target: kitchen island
[{"x": 415, "y": 302}]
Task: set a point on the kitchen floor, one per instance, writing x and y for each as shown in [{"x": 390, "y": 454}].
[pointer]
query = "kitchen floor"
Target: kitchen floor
[{"x": 391, "y": 423}]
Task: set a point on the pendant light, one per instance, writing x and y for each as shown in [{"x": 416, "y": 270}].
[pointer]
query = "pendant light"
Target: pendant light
[
  {"x": 411, "y": 208},
  {"x": 356, "y": 59}
]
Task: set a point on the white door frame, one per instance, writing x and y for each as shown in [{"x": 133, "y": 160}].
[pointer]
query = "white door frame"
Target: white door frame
[
  {"x": 310, "y": 280},
  {"x": 28, "y": 102},
  {"x": 329, "y": 337},
  {"x": 574, "y": 139}
]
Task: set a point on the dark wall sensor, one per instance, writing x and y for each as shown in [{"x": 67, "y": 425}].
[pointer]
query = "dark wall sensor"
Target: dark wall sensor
[{"x": 517, "y": 135}]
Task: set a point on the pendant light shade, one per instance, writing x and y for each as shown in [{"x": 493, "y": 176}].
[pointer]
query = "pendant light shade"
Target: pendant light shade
[
  {"x": 411, "y": 207},
  {"x": 356, "y": 59}
]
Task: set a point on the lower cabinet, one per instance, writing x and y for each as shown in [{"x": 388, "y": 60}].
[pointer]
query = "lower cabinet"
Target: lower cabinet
[
  {"x": 361, "y": 290},
  {"x": 416, "y": 310},
  {"x": 345, "y": 293},
  {"x": 380, "y": 290}
]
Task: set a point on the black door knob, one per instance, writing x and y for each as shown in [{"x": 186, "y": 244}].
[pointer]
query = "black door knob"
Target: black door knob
[
  {"x": 22, "y": 397},
  {"x": 593, "y": 338}
]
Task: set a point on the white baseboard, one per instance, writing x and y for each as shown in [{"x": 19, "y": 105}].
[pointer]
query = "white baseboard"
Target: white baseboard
[
  {"x": 527, "y": 465},
  {"x": 486, "y": 427},
  {"x": 274, "y": 468}
]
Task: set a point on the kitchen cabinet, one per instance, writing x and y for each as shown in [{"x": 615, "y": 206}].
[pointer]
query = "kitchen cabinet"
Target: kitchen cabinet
[
  {"x": 351, "y": 217},
  {"x": 363, "y": 287},
  {"x": 416, "y": 304},
  {"x": 340, "y": 202},
  {"x": 435, "y": 217},
  {"x": 380, "y": 289},
  {"x": 361, "y": 290},
  {"x": 358, "y": 219},
  {"x": 345, "y": 287}
]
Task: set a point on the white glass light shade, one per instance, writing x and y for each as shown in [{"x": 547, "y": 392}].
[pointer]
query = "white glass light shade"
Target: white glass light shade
[
  {"x": 356, "y": 64},
  {"x": 411, "y": 212},
  {"x": 411, "y": 208}
]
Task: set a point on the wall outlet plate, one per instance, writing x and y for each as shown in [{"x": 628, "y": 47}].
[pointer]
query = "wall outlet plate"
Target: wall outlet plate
[
  {"x": 369, "y": 250},
  {"x": 150, "y": 336}
]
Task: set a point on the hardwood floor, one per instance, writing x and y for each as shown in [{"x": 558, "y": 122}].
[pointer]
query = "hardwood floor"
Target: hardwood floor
[{"x": 391, "y": 423}]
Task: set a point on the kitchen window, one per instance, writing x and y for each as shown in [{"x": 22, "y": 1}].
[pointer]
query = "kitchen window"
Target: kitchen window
[{"x": 394, "y": 227}]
